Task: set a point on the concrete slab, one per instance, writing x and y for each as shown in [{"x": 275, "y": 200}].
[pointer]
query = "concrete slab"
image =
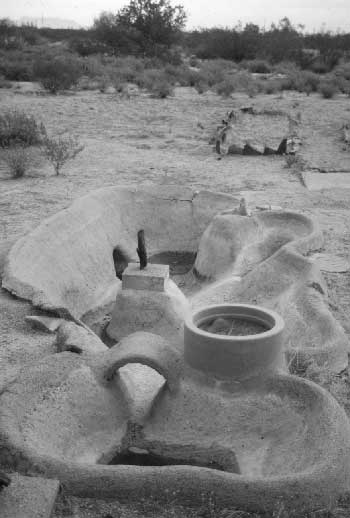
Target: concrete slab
[
  {"x": 315, "y": 181},
  {"x": 28, "y": 497},
  {"x": 331, "y": 263},
  {"x": 152, "y": 278}
]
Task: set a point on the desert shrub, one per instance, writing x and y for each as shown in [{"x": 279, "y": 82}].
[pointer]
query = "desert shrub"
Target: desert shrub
[
  {"x": 327, "y": 88},
  {"x": 5, "y": 83},
  {"x": 257, "y": 66},
  {"x": 156, "y": 82},
  {"x": 178, "y": 74},
  {"x": 310, "y": 81},
  {"x": 193, "y": 61},
  {"x": 343, "y": 85},
  {"x": 161, "y": 89},
  {"x": 343, "y": 71},
  {"x": 272, "y": 86},
  {"x": 87, "y": 46},
  {"x": 226, "y": 87},
  {"x": 243, "y": 81},
  {"x": 57, "y": 74},
  {"x": 60, "y": 150},
  {"x": 319, "y": 67},
  {"x": 16, "y": 127},
  {"x": 215, "y": 71},
  {"x": 18, "y": 159},
  {"x": 201, "y": 87},
  {"x": 14, "y": 70}
]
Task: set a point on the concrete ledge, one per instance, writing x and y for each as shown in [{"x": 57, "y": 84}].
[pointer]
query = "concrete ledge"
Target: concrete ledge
[
  {"x": 28, "y": 497},
  {"x": 152, "y": 278}
]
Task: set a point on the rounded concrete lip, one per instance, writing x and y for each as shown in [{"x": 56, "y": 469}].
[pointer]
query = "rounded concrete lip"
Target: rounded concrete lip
[
  {"x": 234, "y": 356},
  {"x": 326, "y": 477},
  {"x": 267, "y": 317}
]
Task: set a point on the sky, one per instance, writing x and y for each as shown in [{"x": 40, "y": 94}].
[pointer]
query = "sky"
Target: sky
[{"x": 331, "y": 15}]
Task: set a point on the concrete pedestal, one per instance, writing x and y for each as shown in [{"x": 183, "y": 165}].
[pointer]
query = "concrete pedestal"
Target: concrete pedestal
[{"x": 152, "y": 278}]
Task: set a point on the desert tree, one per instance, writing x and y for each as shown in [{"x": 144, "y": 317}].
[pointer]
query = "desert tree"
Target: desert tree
[{"x": 142, "y": 26}]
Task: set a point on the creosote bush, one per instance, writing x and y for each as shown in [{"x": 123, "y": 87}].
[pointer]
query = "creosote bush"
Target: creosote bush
[
  {"x": 57, "y": 74},
  {"x": 59, "y": 150},
  {"x": 18, "y": 159},
  {"x": 156, "y": 82},
  {"x": 327, "y": 89},
  {"x": 16, "y": 127}
]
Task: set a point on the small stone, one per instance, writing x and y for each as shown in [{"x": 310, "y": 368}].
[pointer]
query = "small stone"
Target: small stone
[
  {"x": 253, "y": 149},
  {"x": 219, "y": 326},
  {"x": 247, "y": 109},
  {"x": 49, "y": 324}
]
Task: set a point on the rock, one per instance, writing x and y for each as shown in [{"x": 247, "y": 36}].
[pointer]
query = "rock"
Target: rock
[
  {"x": 253, "y": 149},
  {"x": 282, "y": 148},
  {"x": 236, "y": 148},
  {"x": 268, "y": 150},
  {"x": 248, "y": 109},
  {"x": 219, "y": 326},
  {"x": 45, "y": 323},
  {"x": 229, "y": 142},
  {"x": 4, "y": 480},
  {"x": 293, "y": 145}
]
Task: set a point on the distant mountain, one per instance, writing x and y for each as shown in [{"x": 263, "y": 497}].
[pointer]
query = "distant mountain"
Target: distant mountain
[{"x": 53, "y": 23}]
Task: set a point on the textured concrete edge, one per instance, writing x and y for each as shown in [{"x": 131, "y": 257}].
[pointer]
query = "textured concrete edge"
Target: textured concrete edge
[
  {"x": 12, "y": 279},
  {"x": 29, "y": 497},
  {"x": 329, "y": 479}
]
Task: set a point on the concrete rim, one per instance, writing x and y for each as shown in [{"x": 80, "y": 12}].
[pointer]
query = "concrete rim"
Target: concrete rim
[
  {"x": 230, "y": 356},
  {"x": 258, "y": 314}
]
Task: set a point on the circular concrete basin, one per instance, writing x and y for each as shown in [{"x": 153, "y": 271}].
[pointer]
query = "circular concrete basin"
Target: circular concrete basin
[{"x": 233, "y": 340}]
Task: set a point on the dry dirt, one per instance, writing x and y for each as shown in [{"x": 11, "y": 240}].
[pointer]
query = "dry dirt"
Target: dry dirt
[{"x": 143, "y": 140}]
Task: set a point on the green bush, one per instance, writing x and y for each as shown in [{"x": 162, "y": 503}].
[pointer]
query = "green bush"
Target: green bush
[
  {"x": 57, "y": 74},
  {"x": 18, "y": 159},
  {"x": 257, "y": 66},
  {"x": 156, "y": 82},
  {"x": 327, "y": 88},
  {"x": 310, "y": 81},
  {"x": 272, "y": 86},
  {"x": 226, "y": 87},
  {"x": 14, "y": 70},
  {"x": 59, "y": 150},
  {"x": 5, "y": 83},
  {"x": 161, "y": 89},
  {"x": 343, "y": 70},
  {"x": 18, "y": 128}
]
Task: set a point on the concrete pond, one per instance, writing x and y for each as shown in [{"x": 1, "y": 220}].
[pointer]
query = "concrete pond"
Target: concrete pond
[{"x": 182, "y": 375}]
